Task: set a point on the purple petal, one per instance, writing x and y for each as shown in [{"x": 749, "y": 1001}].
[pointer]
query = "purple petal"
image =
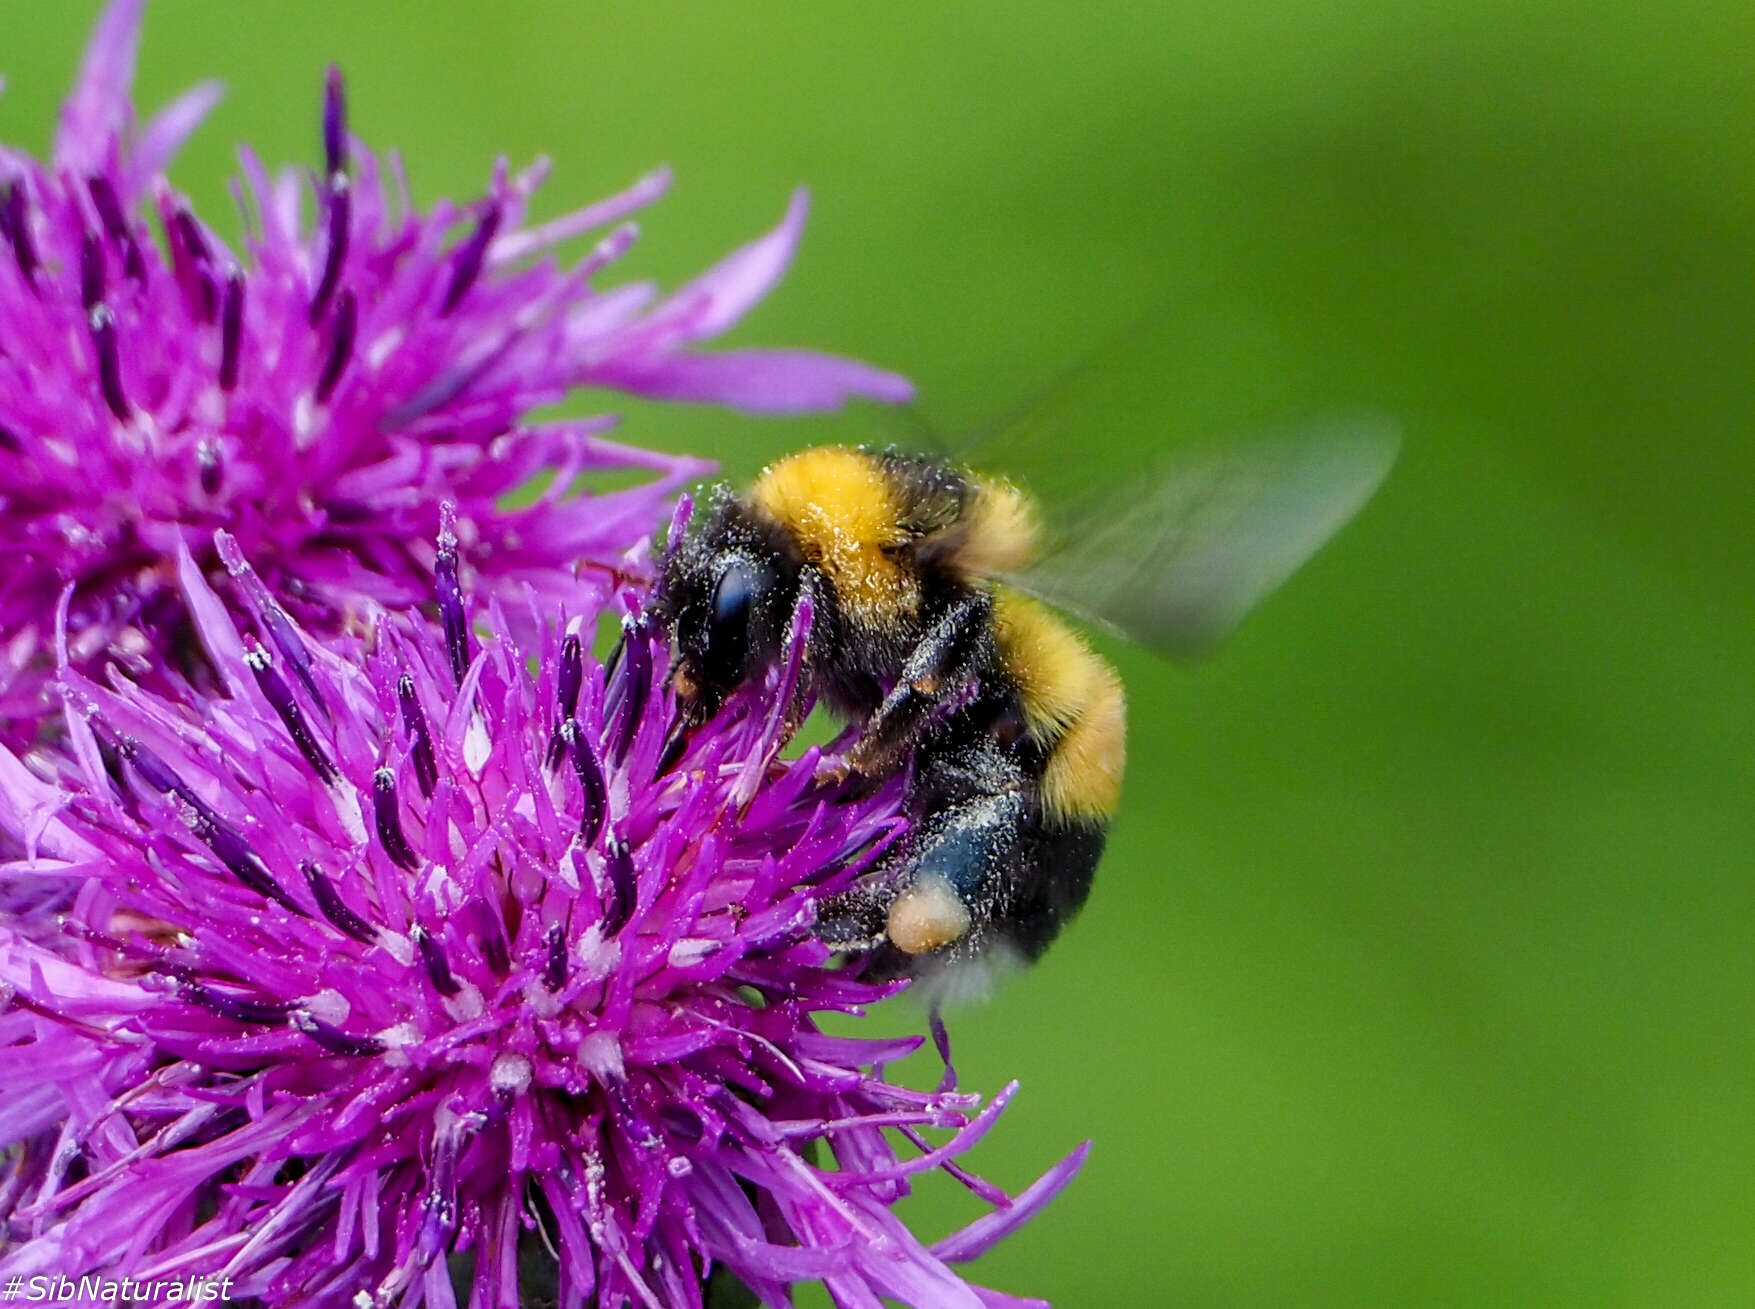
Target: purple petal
[
  {"x": 716, "y": 299},
  {"x": 514, "y": 246},
  {"x": 987, "y": 1231},
  {"x": 98, "y": 111},
  {"x": 164, "y": 135},
  {"x": 28, "y": 805},
  {"x": 212, "y": 623},
  {"x": 757, "y": 381},
  {"x": 1000, "y": 1300}
]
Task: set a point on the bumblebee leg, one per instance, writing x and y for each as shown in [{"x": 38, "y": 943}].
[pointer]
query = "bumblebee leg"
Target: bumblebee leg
[
  {"x": 965, "y": 806},
  {"x": 956, "y": 874},
  {"x": 945, "y": 889},
  {"x": 854, "y": 919},
  {"x": 997, "y": 878},
  {"x": 942, "y": 664},
  {"x": 988, "y": 872}
]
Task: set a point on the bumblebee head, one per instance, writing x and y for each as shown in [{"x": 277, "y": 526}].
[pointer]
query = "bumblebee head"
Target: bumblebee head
[{"x": 725, "y": 595}]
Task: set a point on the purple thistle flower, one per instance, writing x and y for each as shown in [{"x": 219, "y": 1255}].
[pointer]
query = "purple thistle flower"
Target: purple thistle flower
[
  {"x": 368, "y": 977},
  {"x": 319, "y": 390}
]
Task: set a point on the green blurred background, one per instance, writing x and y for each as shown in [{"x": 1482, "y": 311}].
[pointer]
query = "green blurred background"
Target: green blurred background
[{"x": 1420, "y": 972}]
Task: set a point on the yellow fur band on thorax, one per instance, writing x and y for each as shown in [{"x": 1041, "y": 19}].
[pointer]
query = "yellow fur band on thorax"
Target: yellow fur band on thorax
[
  {"x": 841, "y": 508},
  {"x": 1000, "y": 530}
]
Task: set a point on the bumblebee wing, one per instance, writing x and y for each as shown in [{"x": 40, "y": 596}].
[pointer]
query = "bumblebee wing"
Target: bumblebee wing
[
  {"x": 1179, "y": 554},
  {"x": 1175, "y": 550}
]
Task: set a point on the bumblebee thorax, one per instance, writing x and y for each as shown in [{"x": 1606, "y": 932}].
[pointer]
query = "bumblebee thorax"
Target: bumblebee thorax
[{"x": 841, "y": 507}]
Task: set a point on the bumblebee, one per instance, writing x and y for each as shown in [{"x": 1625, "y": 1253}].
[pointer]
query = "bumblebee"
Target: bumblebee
[{"x": 926, "y": 582}]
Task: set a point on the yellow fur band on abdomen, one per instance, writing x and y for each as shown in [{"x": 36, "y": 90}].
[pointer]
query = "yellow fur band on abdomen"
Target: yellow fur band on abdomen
[{"x": 1073, "y": 705}]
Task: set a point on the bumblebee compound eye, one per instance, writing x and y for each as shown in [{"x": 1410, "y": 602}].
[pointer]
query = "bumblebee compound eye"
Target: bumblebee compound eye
[
  {"x": 741, "y": 630},
  {"x": 724, "y": 629},
  {"x": 733, "y": 597}
]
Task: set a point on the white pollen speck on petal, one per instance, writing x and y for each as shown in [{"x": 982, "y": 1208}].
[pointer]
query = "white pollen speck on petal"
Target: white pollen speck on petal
[
  {"x": 330, "y": 1005},
  {"x": 397, "y": 1039},
  {"x": 476, "y": 746},
  {"x": 511, "y": 1073},
  {"x": 600, "y": 1054},
  {"x": 467, "y": 1005},
  {"x": 690, "y": 951},
  {"x": 541, "y": 1001},
  {"x": 598, "y": 957},
  {"x": 384, "y": 346},
  {"x": 442, "y": 887},
  {"x": 304, "y": 425},
  {"x": 209, "y": 408},
  {"x": 347, "y": 809}
]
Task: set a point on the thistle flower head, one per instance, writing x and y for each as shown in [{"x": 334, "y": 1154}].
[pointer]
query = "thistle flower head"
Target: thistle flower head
[
  {"x": 317, "y": 390},
  {"x": 399, "y": 960}
]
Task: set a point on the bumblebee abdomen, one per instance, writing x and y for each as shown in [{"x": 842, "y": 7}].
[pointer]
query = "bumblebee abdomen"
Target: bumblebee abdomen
[{"x": 1073, "y": 707}]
